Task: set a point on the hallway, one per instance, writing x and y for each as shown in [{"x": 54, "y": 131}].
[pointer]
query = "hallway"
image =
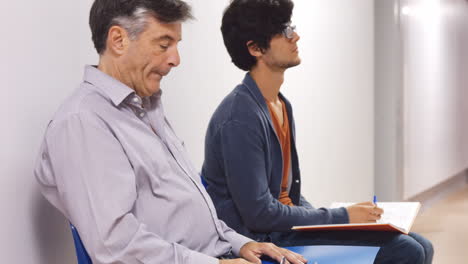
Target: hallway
[{"x": 446, "y": 225}]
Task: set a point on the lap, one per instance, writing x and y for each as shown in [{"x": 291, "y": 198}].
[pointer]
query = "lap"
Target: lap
[
  {"x": 356, "y": 238},
  {"x": 394, "y": 247}
]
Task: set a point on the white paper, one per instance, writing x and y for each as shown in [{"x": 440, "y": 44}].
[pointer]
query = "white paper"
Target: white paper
[{"x": 400, "y": 214}]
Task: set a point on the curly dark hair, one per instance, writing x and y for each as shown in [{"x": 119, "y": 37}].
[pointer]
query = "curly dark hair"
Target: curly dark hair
[
  {"x": 253, "y": 20},
  {"x": 106, "y": 13}
]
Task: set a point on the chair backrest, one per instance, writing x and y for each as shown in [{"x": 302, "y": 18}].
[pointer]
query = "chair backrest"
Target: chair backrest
[
  {"x": 81, "y": 254},
  {"x": 205, "y": 184}
]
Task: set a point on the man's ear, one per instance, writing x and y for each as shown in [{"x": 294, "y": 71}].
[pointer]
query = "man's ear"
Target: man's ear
[
  {"x": 254, "y": 50},
  {"x": 117, "y": 40}
]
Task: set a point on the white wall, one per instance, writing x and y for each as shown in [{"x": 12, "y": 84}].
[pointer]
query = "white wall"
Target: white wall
[
  {"x": 435, "y": 35},
  {"x": 332, "y": 92},
  {"x": 42, "y": 63},
  {"x": 421, "y": 125},
  {"x": 388, "y": 101},
  {"x": 38, "y": 69}
]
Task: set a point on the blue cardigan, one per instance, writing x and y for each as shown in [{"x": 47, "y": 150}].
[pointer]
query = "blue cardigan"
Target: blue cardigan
[{"x": 243, "y": 168}]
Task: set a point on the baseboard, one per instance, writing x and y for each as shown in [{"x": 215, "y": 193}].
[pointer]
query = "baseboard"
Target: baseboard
[{"x": 442, "y": 190}]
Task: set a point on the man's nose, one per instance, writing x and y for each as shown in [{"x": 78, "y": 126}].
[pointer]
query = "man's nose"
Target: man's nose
[{"x": 174, "y": 58}]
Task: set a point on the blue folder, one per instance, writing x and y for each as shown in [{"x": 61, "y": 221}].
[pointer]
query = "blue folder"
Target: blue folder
[{"x": 335, "y": 254}]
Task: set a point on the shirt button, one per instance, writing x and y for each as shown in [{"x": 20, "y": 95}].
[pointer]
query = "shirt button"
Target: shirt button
[
  {"x": 142, "y": 114},
  {"x": 297, "y": 181},
  {"x": 136, "y": 99}
]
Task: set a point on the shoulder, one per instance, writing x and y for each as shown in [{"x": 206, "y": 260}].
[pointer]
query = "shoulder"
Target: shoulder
[
  {"x": 86, "y": 106},
  {"x": 238, "y": 106}
]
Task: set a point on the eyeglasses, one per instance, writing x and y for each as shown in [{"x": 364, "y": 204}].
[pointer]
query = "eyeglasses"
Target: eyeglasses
[{"x": 288, "y": 32}]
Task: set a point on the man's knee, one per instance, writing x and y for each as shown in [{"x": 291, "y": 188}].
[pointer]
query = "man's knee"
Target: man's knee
[
  {"x": 426, "y": 244},
  {"x": 429, "y": 250},
  {"x": 415, "y": 252},
  {"x": 402, "y": 249}
]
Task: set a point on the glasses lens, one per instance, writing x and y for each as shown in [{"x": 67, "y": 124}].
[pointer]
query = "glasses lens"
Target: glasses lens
[{"x": 289, "y": 31}]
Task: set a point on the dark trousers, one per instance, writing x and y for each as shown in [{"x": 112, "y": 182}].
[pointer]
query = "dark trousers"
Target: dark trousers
[{"x": 394, "y": 247}]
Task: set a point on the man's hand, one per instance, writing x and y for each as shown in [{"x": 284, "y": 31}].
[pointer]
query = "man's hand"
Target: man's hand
[
  {"x": 252, "y": 251},
  {"x": 234, "y": 261},
  {"x": 366, "y": 212}
]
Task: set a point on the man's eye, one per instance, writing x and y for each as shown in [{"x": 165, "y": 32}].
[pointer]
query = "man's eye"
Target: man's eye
[{"x": 164, "y": 47}]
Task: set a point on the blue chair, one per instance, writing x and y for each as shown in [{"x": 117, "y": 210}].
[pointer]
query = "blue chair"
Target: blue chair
[
  {"x": 334, "y": 254},
  {"x": 81, "y": 254},
  {"x": 203, "y": 181}
]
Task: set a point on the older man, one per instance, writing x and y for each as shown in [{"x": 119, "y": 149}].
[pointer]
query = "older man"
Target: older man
[{"x": 111, "y": 163}]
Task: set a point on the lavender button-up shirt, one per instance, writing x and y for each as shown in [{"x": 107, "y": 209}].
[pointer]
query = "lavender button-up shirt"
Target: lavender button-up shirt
[{"x": 111, "y": 163}]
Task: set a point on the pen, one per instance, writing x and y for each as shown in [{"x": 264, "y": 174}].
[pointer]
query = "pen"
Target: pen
[{"x": 375, "y": 200}]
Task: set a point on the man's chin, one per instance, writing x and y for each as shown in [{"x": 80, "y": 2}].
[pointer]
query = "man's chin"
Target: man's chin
[
  {"x": 293, "y": 64},
  {"x": 155, "y": 85},
  {"x": 153, "y": 88}
]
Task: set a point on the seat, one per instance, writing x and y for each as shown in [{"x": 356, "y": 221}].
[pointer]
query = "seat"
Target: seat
[
  {"x": 334, "y": 254},
  {"x": 81, "y": 254}
]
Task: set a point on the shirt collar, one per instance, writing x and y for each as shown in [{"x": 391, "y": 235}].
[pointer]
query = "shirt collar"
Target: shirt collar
[
  {"x": 114, "y": 89},
  {"x": 252, "y": 86}
]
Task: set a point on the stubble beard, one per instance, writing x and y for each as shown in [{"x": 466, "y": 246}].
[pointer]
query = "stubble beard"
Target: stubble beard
[{"x": 290, "y": 64}]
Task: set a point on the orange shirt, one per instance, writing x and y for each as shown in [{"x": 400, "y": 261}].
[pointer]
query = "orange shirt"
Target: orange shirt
[{"x": 284, "y": 137}]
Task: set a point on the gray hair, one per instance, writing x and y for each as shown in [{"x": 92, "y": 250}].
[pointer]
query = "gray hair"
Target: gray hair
[
  {"x": 132, "y": 15},
  {"x": 136, "y": 23}
]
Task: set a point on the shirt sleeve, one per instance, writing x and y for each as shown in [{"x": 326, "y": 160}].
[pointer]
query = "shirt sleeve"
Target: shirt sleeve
[
  {"x": 236, "y": 240},
  {"x": 303, "y": 202},
  {"x": 243, "y": 155},
  {"x": 97, "y": 188}
]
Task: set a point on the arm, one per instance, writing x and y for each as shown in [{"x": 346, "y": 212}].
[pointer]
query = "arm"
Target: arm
[
  {"x": 244, "y": 163},
  {"x": 236, "y": 240},
  {"x": 98, "y": 190},
  {"x": 303, "y": 202}
]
